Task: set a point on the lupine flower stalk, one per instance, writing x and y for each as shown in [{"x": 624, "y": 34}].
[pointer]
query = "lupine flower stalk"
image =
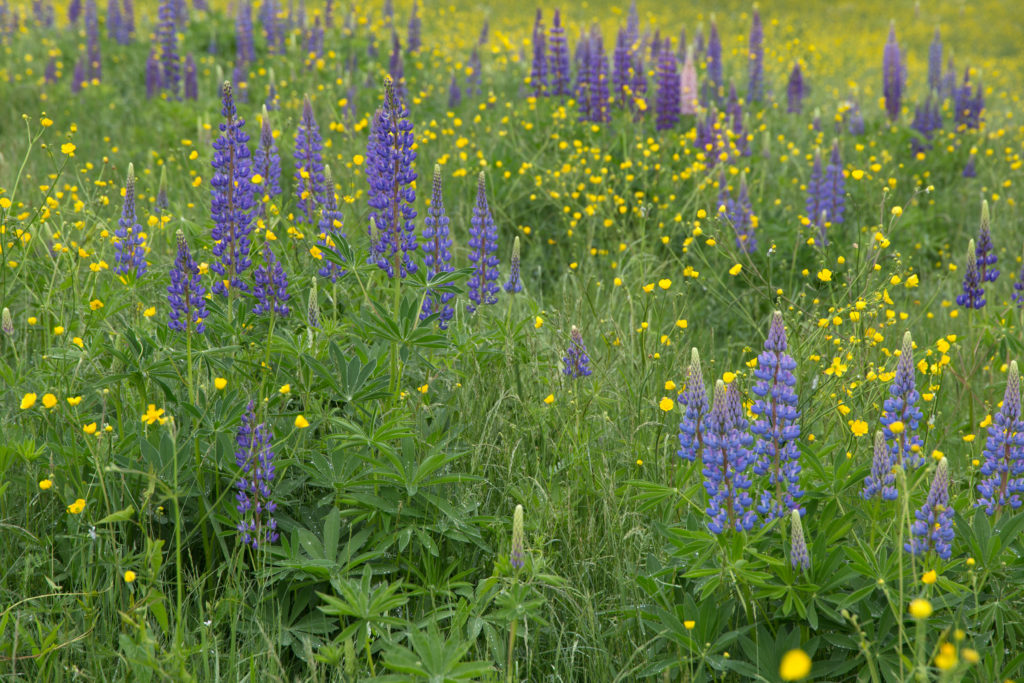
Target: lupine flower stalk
[
  {"x": 694, "y": 400},
  {"x": 795, "y": 91},
  {"x": 1003, "y": 470},
  {"x": 714, "y": 61},
  {"x": 985, "y": 255},
  {"x": 414, "y": 41},
  {"x": 330, "y": 226},
  {"x": 576, "y": 360},
  {"x": 232, "y": 198},
  {"x": 94, "y": 70},
  {"x": 688, "y": 86},
  {"x": 901, "y": 416},
  {"x": 558, "y": 58},
  {"x": 539, "y": 68},
  {"x": 667, "y": 103},
  {"x": 6, "y": 322},
  {"x": 935, "y": 63},
  {"x": 130, "y": 256},
  {"x": 881, "y": 482},
  {"x": 483, "y": 245},
  {"x": 973, "y": 293},
  {"x": 775, "y": 426},
  {"x": 755, "y": 55},
  {"x": 798, "y": 553},
  {"x": 153, "y": 83},
  {"x": 514, "y": 285},
  {"x": 267, "y": 160},
  {"x": 933, "y": 525},
  {"x": 892, "y": 75},
  {"x": 726, "y": 461},
  {"x": 271, "y": 289},
  {"x": 255, "y": 459},
  {"x": 309, "y": 164},
  {"x": 191, "y": 79},
  {"x": 517, "y": 556},
  {"x": 186, "y": 293},
  {"x": 392, "y": 197},
  {"x": 167, "y": 38},
  {"x": 437, "y": 249}
]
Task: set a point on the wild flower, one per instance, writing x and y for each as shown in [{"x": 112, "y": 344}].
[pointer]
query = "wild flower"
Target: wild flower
[
  {"x": 330, "y": 227},
  {"x": 755, "y": 55},
  {"x": 795, "y": 90},
  {"x": 1003, "y": 469},
  {"x": 129, "y": 256},
  {"x": 933, "y": 525},
  {"x": 437, "y": 254},
  {"x": 558, "y": 58},
  {"x": 483, "y": 245},
  {"x": 255, "y": 459},
  {"x": 309, "y": 164},
  {"x": 713, "y": 69},
  {"x": 167, "y": 38},
  {"x": 694, "y": 401},
  {"x": 539, "y": 68},
  {"x": 935, "y": 63},
  {"x": 517, "y": 556},
  {"x": 881, "y": 481},
  {"x": 973, "y": 293},
  {"x": 688, "y": 86},
  {"x": 576, "y": 360},
  {"x": 186, "y": 293},
  {"x": 514, "y": 285},
  {"x": 985, "y": 256},
  {"x": 798, "y": 554},
  {"x": 893, "y": 75},
  {"x": 726, "y": 461},
  {"x": 901, "y": 416},
  {"x": 414, "y": 41},
  {"x": 271, "y": 289},
  {"x": 266, "y": 160},
  {"x": 667, "y": 103}
]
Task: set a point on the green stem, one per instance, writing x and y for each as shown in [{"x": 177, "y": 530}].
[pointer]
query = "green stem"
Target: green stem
[{"x": 511, "y": 646}]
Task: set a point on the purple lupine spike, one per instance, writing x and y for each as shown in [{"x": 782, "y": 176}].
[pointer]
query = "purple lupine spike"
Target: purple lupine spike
[
  {"x": 330, "y": 225},
  {"x": 167, "y": 39},
  {"x": 681, "y": 51},
  {"x": 267, "y": 160},
  {"x": 437, "y": 246},
  {"x": 245, "y": 52},
  {"x": 576, "y": 360},
  {"x": 130, "y": 255},
  {"x": 186, "y": 293},
  {"x": 795, "y": 90},
  {"x": 483, "y": 245},
  {"x": 583, "y": 76},
  {"x": 94, "y": 69},
  {"x": 485, "y": 31},
  {"x": 933, "y": 525},
  {"x": 180, "y": 14},
  {"x": 775, "y": 428},
  {"x": 831, "y": 202},
  {"x": 271, "y": 290},
  {"x": 814, "y": 189},
  {"x": 414, "y": 41},
  {"x": 152, "y": 76},
  {"x": 638, "y": 85},
  {"x": 558, "y": 58},
  {"x": 882, "y": 480},
  {"x": 970, "y": 169},
  {"x": 901, "y": 416},
  {"x": 514, "y": 285},
  {"x": 392, "y": 198},
  {"x": 329, "y": 15},
  {"x": 232, "y": 199},
  {"x": 191, "y": 79},
  {"x": 688, "y": 87},
  {"x": 1018, "y": 288},
  {"x": 667, "y": 104},
  {"x": 698, "y": 42},
  {"x": 255, "y": 459},
  {"x": 127, "y": 22},
  {"x": 113, "y": 19},
  {"x": 271, "y": 30},
  {"x": 309, "y": 164},
  {"x": 735, "y": 114},
  {"x": 798, "y": 554},
  {"x": 984, "y": 250},
  {"x": 161, "y": 203},
  {"x": 632, "y": 32},
  {"x": 74, "y": 12},
  {"x": 742, "y": 220},
  {"x": 973, "y": 293},
  {"x": 926, "y": 121},
  {"x": 1003, "y": 470},
  {"x": 200, "y": 6},
  {"x": 454, "y": 93},
  {"x": 725, "y": 464},
  {"x": 539, "y": 67},
  {"x": 714, "y": 61},
  {"x": 78, "y": 77},
  {"x": 315, "y": 43},
  {"x": 240, "y": 79},
  {"x": 855, "y": 120},
  {"x": 621, "y": 64},
  {"x": 50, "y": 74},
  {"x": 892, "y": 75},
  {"x": 598, "y": 90},
  {"x": 968, "y": 107},
  {"x": 694, "y": 400},
  {"x": 935, "y": 62},
  {"x": 948, "y": 88},
  {"x": 655, "y": 46},
  {"x": 396, "y": 66},
  {"x": 755, "y": 55}
]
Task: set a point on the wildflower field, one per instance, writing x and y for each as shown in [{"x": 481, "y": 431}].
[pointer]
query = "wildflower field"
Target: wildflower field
[{"x": 401, "y": 340}]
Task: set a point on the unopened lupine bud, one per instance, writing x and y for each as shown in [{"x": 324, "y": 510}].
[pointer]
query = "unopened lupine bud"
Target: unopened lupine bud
[
  {"x": 7, "y": 324},
  {"x": 799, "y": 557},
  {"x": 518, "y": 555},
  {"x": 513, "y": 284},
  {"x": 313, "y": 308}
]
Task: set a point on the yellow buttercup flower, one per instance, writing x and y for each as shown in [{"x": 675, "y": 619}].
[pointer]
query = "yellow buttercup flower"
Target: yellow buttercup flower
[
  {"x": 89, "y": 428},
  {"x": 796, "y": 664},
  {"x": 666, "y": 404},
  {"x": 49, "y": 400},
  {"x": 46, "y": 484},
  {"x": 129, "y": 576},
  {"x": 77, "y": 507},
  {"x": 153, "y": 415},
  {"x": 220, "y": 383},
  {"x": 929, "y": 577},
  {"x": 27, "y": 401},
  {"x": 920, "y": 608},
  {"x": 549, "y": 399},
  {"x": 301, "y": 422}
]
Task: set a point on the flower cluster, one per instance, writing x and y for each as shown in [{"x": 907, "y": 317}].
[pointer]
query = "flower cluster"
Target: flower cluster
[
  {"x": 309, "y": 164},
  {"x": 437, "y": 249},
  {"x": 255, "y": 460},
  {"x": 933, "y": 522},
  {"x": 483, "y": 243},
  {"x": 726, "y": 461},
  {"x": 130, "y": 255},
  {"x": 694, "y": 400},
  {"x": 901, "y": 415},
  {"x": 882, "y": 479},
  {"x": 1003, "y": 469},
  {"x": 186, "y": 293},
  {"x": 577, "y": 361},
  {"x": 271, "y": 289},
  {"x": 330, "y": 226},
  {"x": 267, "y": 160}
]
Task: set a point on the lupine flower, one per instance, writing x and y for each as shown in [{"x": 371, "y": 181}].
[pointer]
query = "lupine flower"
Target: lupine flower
[
  {"x": 714, "y": 61},
  {"x": 558, "y": 58},
  {"x": 688, "y": 86},
  {"x": 186, "y": 293},
  {"x": 267, "y": 160},
  {"x": 927, "y": 120},
  {"x": 313, "y": 308},
  {"x": 638, "y": 85},
  {"x": 161, "y": 204},
  {"x": 514, "y": 285},
  {"x": 621, "y": 65},
  {"x": 167, "y": 38},
  {"x": 483, "y": 245},
  {"x": 113, "y": 19},
  {"x": 191, "y": 79},
  {"x": 1003, "y": 470},
  {"x": 414, "y": 40},
  {"x": 255, "y": 459},
  {"x": 1018, "y": 289},
  {"x": 244, "y": 50},
  {"x": 475, "y": 70},
  {"x": 726, "y": 461},
  {"x": 436, "y": 246},
  {"x": 632, "y": 26},
  {"x": 855, "y": 120},
  {"x": 775, "y": 428},
  {"x": 232, "y": 198},
  {"x": 970, "y": 170},
  {"x": 933, "y": 525},
  {"x": 735, "y": 114},
  {"x": 742, "y": 219},
  {"x": 517, "y": 557},
  {"x": 330, "y": 225},
  {"x": 130, "y": 256},
  {"x": 454, "y": 93},
  {"x": 967, "y": 108},
  {"x": 984, "y": 251},
  {"x": 795, "y": 90},
  {"x": 392, "y": 197},
  {"x": 94, "y": 69},
  {"x": 271, "y": 289},
  {"x": 577, "y": 361},
  {"x": 153, "y": 83},
  {"x": 74, "y": 11},
  {"x": 755, "y": 89},
  {"x": 539, "y": 68},
  {"x": 882, "y": 479},
  {"x": 598, "y": 105},
  {"x": 798, "y": 554},
  {"x": 127, "y": 22},
  {"x": 6, "y": 322},
  {"x": 695, "y": 410},
  {"x": 973, "y": 295},
  {"x": 484, "y": 32},
  {"x": 935, "y": 63},
  {"x": 892, "y": 75},
  {"x": 583, "y": 76},
  {"x": 309, "y": 163},
  {"x": 667, "y": 103},
  {"x": 901, "y": 415}
]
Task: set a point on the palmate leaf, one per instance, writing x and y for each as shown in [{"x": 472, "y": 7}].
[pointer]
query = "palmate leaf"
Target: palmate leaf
[{"x": 435, "y": 658}]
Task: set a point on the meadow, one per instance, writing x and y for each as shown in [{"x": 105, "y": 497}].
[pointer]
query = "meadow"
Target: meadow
[{"x": 393, "y": 341}]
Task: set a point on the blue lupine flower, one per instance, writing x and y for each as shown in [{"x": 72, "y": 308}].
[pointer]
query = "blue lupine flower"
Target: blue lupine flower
[
  {"x": 255, "y": 459},
  {"x": 558, "y": 58},
  {"x": 1018, "y": 289},
  {"x": 933, "y": 525},
  {"x": 826, "y": 193},
  {"x": 232, "y": 199},
  {"x": 901, "y": 407},
  {"x": 152, "y": 75},
  {"x": 309, "y": 163},
  {"x": 583, "y": 76},
  {"x": 130, "y": 254},
  {"x": 927, "y": 120},
  {"x": 330, "y": 225},
  {"x": 577, "y": 361},
  {"x": 186, "y": 293},
  {"x": 967, "y": 108},
  {"x": 735, "y": 113},
  {"x": 483, "y": 243},
  {"x": 413, "y": 40},
  {"x": 795, "y": 91},
  {"x": 798, "y": 554},
  {"x": 94, "y": 68},
  {"x": 539, "y": 68},
  {"x": 973, "y": 293},
  {"x": 266, "y": 160},
  {"x": 985, "y": 255},
  {"x": 632, "y": 33},
  {"x": 935, "y": 63},
  {"x": 893, "y": 77},
  {"x": 392, "y": 196},
  {"x": 271, "y": 289},
  {"x": 638, "y": 84},
  {"x": 667, "y": 103},
  {"x": 517, "y": 556},
  {"x": 694, "y": 400},
  {"x": 726, "y": 461},
  {"x": 514, "y": 285},
  {"x": 167, "y": 38},
  {"x": 621, "y": 66},
  {"x": 755, "y": 89},
  {"x": 598, "y": 91},
  {"x": 855, "y": 120},
  {"x": 775, "y": 427},
  {"x": 191, "y": 79},
  {"x": 245, "y": 52},
  {"x": 714, "y": 62},
  {"x": 882, "y": 479},
  {"x": 454, "y": 93},
  {"x": 437, "y": 248},
  {"x": 113, "y": 19},
  {"x": 1003, "y": 470}
]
